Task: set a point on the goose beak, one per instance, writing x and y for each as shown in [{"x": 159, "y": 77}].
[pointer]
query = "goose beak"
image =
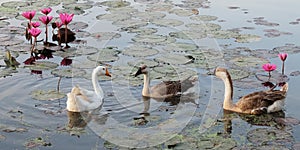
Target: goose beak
[
  {"x": 107, "y": 73},
  {"x": 138, "y": 72}
]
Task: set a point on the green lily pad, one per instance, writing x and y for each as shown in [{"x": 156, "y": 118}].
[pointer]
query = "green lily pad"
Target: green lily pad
[
  {"x": 180, "y": 47},
  {"x": 113, "y": 17},
  {"x": 269, "y": 136},
  {"x": 78, "y": 6},
  {"x": 84, "y": 63},
  {"x": 105, "y": 55},
  {"x": 205, "y": 27},
  {"x": 8, "y": 12},
  {"x": 115, "y": 4},
  {"x": 4, "y": 23},
  {"x": 161, "y": 6},
  {"x": 68, "y": 72},
  {"x": 142, "y": 30},
  {"x": 130, "y": 23},
  {"x": 181, "y": 12},
  {"x": 43, "y": 65},
  {"x": 15, "y": 41},
  {"x": 105, "y": 35},
  {"x": 77, "y": 25},
  {"x": 15, "y": 4},
  {"x": 153, "y": 39},
  {"x": 175, "y": 59},
  {"x": 188, "y": 34},
  {"x": 139, "y": 62},
  {"x": 247, "y": 38},
  {"x": 122, "y": 10},
  {"x": 7, "y": 72},
  {"x": 167, "y": 22},
  {"x": 204, "y": 18},
  {"x": 224, "y": 34},
  {"x": 237, "y": 74},
  {"x": 149, "y": 16},
  {"x": 25, "y": 47},
  {"x": 36, "y": 142},
  {"x": 206, "y": 58},
  {"x": 249, "y": 61},
  {"x": 139, "y": 51},
  {"x": 46, "y": 95}
]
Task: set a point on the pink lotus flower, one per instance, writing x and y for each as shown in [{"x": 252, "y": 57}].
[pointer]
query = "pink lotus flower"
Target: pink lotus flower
[
  {"x": 58, "y": 24},
  {"x": 45, "y": 19},
  {"x": 35, "y": 32},
  {"x": 282, "y": 56},
  {"x": 35, "y": 24},
  {"x": 29, "y": 14},
  {"x": 46, "y": 11},
  {"x": 66, "y": 18},
  {"x": 269, "y": 67}
]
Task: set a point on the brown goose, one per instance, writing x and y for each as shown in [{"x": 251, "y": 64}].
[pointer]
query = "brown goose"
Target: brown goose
[
  {"x": 165, "y": 89},
  {"x": 255, "y": 103}
]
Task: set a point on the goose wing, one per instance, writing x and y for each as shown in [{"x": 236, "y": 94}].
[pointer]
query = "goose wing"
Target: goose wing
[
  {"x": 260, "y": 99},
  {"x": 167, "y": 88}
]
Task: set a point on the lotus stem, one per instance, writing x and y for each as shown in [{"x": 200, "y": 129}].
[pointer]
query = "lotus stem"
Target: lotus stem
[
  {"x": 33, "y": 45},
  {"x": 282, "y": 71},
  {"x": 46, "y": 33},
  {"x": 66, "y": 36},
  {"x": 58, "y": 83}
]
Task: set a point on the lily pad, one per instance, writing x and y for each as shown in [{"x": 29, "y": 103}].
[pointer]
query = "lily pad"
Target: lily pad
[
  {"x": 84, "y": 63},
  {"x": 139, "y": 62},
  {"x": 247, "y": 38},
  {"x": 19, "y": 48},
  {"x": 205, "y": 27},
  {"x": 115, "y": 4},
  {"x": 237, "y": 74},
  {"x": 180, "y": 47},
  {"x": 153, "y": 39},
  {"x": 204, "y": 18},
  {"x": 130, "y": 23},
  {"x": 175, "y": 59},
  {"x": 46, "y": 95},
  {"x": 249, "y": 61},
  {"x": 78, "y": 6},
  {"x": 181, "y": 12},
  {"x": 224, "y": 34},
  {"x": 14, "y": 4},
  {"x": 167, "y": 22},
  {"x": 188, "y": 34},
  {"x": 105, "y": 55},
  {"x": 33, "y": 143},
  {"x": 105, "y": 35},
  {"x": 149, "y": 16},
  {"x": 139, "y": 51},
  {"x": 68, "y": 72},
  {"x": 43, "y": 65},
  {"x": 161, "y": 6},
  {"x": 8, "y": 12},
  {"x": 142, "y": 30},
  {"x": 270, "y": 136},
  {"x": 15, "y": 41},
  {"x": 113, "y": 17},
  {"x": 7, "y": 72}
]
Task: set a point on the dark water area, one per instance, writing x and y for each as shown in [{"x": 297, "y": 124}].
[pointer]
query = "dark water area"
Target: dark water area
[{"x": 239, "y": 35}]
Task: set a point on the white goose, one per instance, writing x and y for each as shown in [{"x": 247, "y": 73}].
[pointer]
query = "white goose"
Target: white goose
[
  {"x": 255, "y": 103},
  {"x": 80, "y": 99},
  {"x": 165, "y": 89}
]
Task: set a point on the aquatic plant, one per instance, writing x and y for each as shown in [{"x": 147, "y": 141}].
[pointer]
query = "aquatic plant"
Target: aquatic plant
[
  {"x": 269, "y": 67},
  {"x": 28, "y": 15},
  {"x": 46, "y": 11},
  {"x": 35, "y": 32},
  {"x": 46, "y": 20},
  {"x": 283, "y": 57},
  {"x": 35, "y": 24},
  {"x": 65, "y": 19}
]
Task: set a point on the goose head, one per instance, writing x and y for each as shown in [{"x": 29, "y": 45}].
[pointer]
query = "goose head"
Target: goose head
[
  {"x": 101, "y": 70},
  {"x": 221, "y": 73},
  {"x": 142, "y": 70}
]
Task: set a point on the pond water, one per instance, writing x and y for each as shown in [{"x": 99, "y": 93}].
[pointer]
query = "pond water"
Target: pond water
[{"x": 239, "y": 35}]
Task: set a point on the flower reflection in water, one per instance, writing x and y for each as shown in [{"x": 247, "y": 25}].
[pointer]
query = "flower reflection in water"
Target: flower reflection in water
[{"x": 66, "y": 62}]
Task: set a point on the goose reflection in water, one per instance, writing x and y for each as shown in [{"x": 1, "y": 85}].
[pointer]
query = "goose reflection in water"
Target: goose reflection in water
[
  {"x": 270, "y": 119},
  {"x": 77, "y": 121}
]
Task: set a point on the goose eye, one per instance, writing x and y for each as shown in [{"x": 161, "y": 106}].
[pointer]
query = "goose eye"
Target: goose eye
[{"x": 103, "y": 68}]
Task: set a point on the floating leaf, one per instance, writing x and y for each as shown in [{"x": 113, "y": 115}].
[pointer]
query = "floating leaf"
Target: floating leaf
[
  {"x": 130, "y": 23},
  {"x": 167, "y": 22},
  {"x": 247, "y": 38},
  {"x": 139, "y": 62},
  {"x": 105, "y": 35},
  {"x": 33, "y": 143},
  {"x": 172, "y": 59},
  {"x": 205, "y": 27},
  {"x": 105, "y": 55},
  {"x": 180, "y": 47},
  {"x": 204, "y": 18},
  {"x": 43, "y": 65},
  {"x": 153, "y": 39},
  {"x": 161, "y": 6},
  {"x": 188, "y": 34},
  {"x": 224, "y": 34},
  {"x": 181, "y": 12},
  {"x": 141, "y": 30},
  {"x": 237, "y": 74},
  {"x": 113, "y": 17},
  {"x": 46, "y": 95},
  {"x": 7, "y": 72},
  {"x": 14, "y": 4},
  {"x": 139, "y": 51},
  {"x": 8, "y": 12},
  {"x": 84, "y": 63},
  {"x": 249, "y": 61},
  {"x": 68, "y": 72},
  {"x": 115, "y": 4},
  {"x": 149, "y": 16}
]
